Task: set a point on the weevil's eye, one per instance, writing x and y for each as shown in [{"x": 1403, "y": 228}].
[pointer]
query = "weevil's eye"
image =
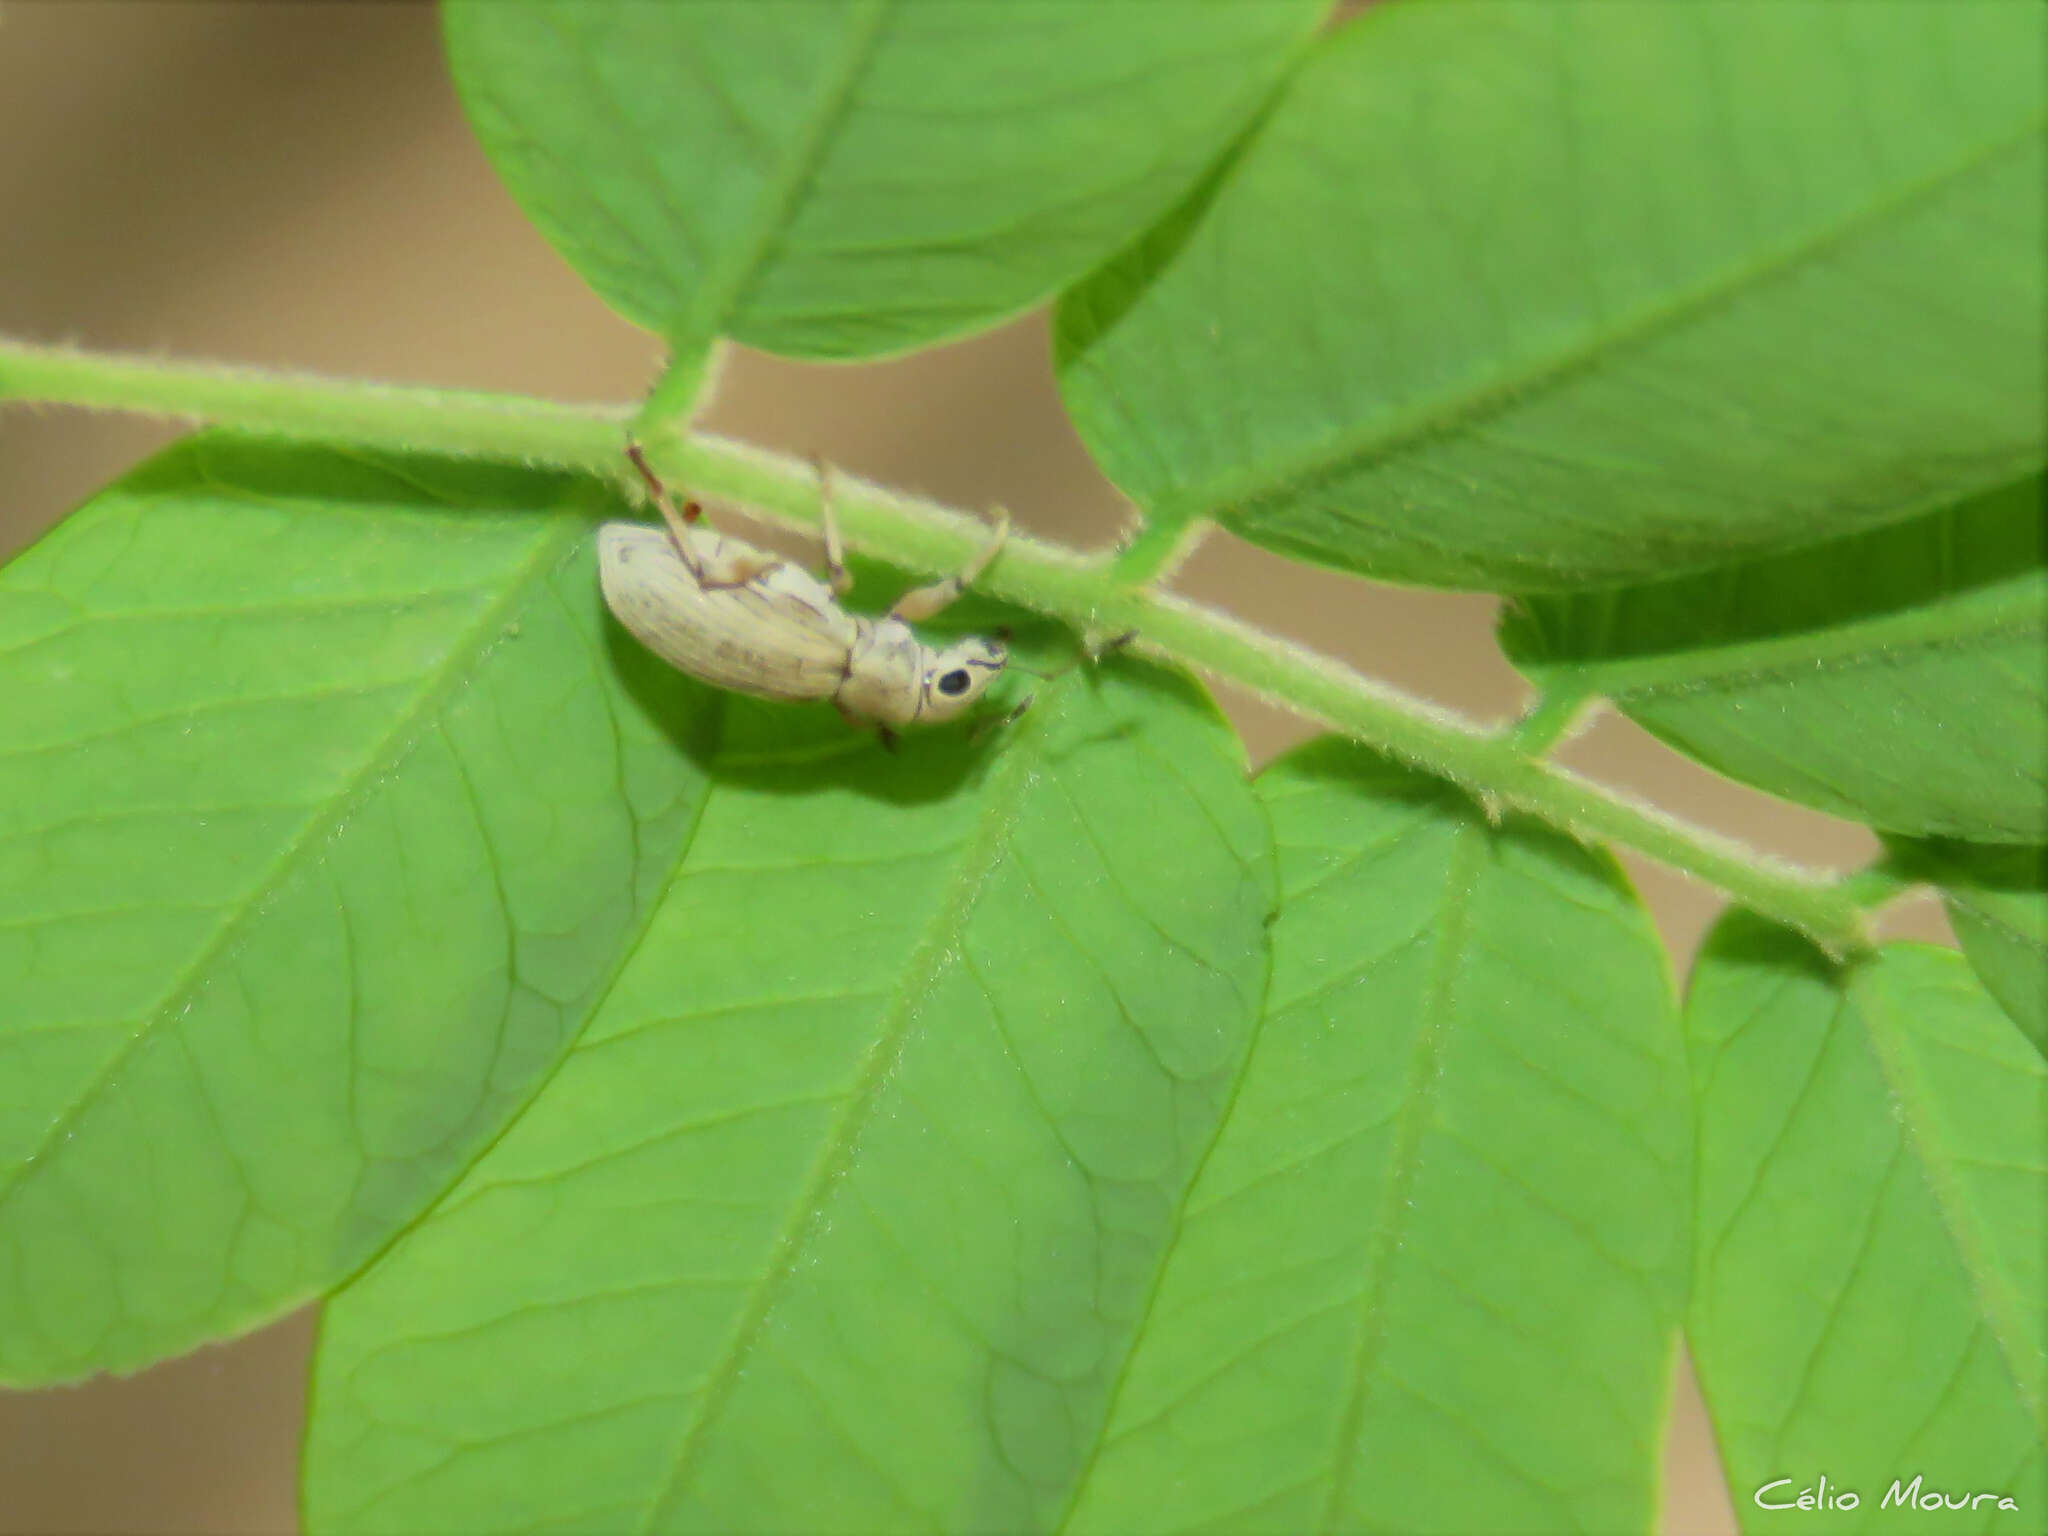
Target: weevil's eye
[{"x": 954, "y": 683}]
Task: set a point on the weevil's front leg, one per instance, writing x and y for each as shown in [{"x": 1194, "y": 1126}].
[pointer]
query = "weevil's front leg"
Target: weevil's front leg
[
  {"x": 922, "y": 602},
  {"x": 1097, "y": 649},
  {"x": 1091, "y": 652},
  {"x": 680, "y": 520},
  {"x": 835, "y": 551}
]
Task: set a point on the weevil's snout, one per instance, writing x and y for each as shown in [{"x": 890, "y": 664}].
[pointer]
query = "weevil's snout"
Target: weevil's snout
[{"x": 960, "y": 674}]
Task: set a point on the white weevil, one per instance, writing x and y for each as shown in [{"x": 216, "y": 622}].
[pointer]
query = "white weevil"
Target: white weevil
[{"x": 741, "y": 618}]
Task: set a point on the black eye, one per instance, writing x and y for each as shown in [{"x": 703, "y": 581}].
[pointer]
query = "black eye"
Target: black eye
[{"x": 954, "y": 683}]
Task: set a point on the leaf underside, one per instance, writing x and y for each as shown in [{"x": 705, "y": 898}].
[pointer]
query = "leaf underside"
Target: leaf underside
[
  {"x": 865, "y": 176},
  {"x": 865, "y": 1165},
  {"x": 1898, "y": 677},
  {"x": 901, "y": 1227},
  {"x": 1535, "y": 297},
  {"x": 1997, "y": 899},
  {"x": 1873, "y": 1188},
  {"x": 324, "y": 811},
  {"x": 1431, "y": 1277}
]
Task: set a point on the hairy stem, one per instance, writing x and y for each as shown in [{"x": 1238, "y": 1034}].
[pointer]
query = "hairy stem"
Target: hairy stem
[
  {"x": 1548, "y": 721},
  {"x": 454, "y": 421},
  {"x": 1088, "y": 593}
]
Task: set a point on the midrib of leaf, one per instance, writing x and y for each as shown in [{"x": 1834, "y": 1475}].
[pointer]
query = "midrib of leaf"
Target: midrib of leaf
[
  {"x": 2013, "y": 614},
  {"x": 455, "y": 1196},
  {"x": 1706, "y": 1087},
  {"x": 1970, "y": 899},
  {"x": 1344, "y": 450},
  {"x": 1467, "y": 855},
  {"x": 1086, "y": 1470},
  {"x": 2003, "y": 1309},
  {"x": 399, "y": 741},
  {"x": 725, "y": 281},
  {"x": 979, "y": 854}
]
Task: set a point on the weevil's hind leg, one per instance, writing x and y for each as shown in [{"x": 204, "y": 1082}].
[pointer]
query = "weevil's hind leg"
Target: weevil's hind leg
[
  {"x": 677, "y": 519},
  {"x": 680, "y": 520},
  {"x": 835, "y": 550},
  {"x": 922, "y": 602}
]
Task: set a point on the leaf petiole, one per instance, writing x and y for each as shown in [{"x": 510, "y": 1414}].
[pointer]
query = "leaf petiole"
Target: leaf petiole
[{"x": 1090, "y": 593}]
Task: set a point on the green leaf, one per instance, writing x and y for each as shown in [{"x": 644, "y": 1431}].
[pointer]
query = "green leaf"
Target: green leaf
[
  {"x": 1997, "y": 899},
  {"x": 1873, "y": 1231},
  {"x": 324, "y": 814},
  {"x": 1536, "y": 296},
  {"x": 851, "y": 177},
  {"x": 1432, "y": 1274},
  {"x": 842, "y": 1212},
  {"x": 1899, "y": 677}
]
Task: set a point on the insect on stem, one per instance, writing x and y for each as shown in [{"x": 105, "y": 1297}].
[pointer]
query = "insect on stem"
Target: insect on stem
[{"x": 741, "y": 618}]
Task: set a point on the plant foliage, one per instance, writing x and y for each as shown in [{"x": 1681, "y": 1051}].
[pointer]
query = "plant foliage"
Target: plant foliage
[{"x": 697, "y": 1118}]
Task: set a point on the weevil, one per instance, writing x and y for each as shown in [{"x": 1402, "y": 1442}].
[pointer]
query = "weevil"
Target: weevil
[{"x": 740, "y": 618}]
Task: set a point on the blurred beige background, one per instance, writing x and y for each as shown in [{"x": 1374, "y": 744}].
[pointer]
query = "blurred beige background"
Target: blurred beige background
[{"x": 292, "y": 186}]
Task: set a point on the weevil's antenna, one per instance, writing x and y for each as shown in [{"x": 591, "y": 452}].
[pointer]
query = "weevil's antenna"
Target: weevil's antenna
[{"x": 1088, "y": 654}]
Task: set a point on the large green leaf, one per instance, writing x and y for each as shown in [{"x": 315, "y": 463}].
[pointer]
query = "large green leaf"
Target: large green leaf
[
  {"x": 1536, "y": 295},
  {"x": 1899, "y": 677},
  {"x": 848, "y": 177},
  {"x": 1873, "y": 1233},
  {"x": 840, "y": 1215},
  {"x": 1997, "y": 899},
  {"x": 324, "y": 815},
  {"x": 1432, "y": 1275}
]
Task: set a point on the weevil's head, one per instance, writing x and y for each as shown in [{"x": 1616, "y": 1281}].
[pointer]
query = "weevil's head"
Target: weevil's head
[{"x": 958, "y": 674}]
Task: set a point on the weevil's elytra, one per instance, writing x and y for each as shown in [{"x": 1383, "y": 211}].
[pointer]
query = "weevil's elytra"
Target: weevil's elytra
[{"x": 737, "y": 617}]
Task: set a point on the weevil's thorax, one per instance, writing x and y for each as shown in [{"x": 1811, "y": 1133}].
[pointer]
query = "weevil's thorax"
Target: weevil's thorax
[
  {"x": 883, "y": 670},
  {"x": 893, "y": 678}
]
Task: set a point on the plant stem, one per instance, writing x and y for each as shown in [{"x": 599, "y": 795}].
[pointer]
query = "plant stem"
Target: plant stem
[
  {"x": 1086, "y": 592},
  {"x": 680, "y": 391},
  {"x": 452, "y": 421},
  {"x": 1553, "y": 716},
  {"x": 1153, "y": 553},
  {"x": 1883, "y": 882}
]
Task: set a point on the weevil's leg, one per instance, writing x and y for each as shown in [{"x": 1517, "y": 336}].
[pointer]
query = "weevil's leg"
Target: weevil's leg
[
  {"x": 680, "y": 523},
  {"x": 690, "y": 511},
  {"x": 680, "y": 520},
  {"x": 1097, "y": 650},
  {"x": 835, "y": 548},
  {"x": 923, "y": 602},
  {"x": 882, "y": 732},
  {"x": 1009, "y": 717},
  {"x": 1090, "y": 653}
]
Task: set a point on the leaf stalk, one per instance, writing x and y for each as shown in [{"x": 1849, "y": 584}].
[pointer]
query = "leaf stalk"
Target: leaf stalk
[{"x": 1091, "y": 593}]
